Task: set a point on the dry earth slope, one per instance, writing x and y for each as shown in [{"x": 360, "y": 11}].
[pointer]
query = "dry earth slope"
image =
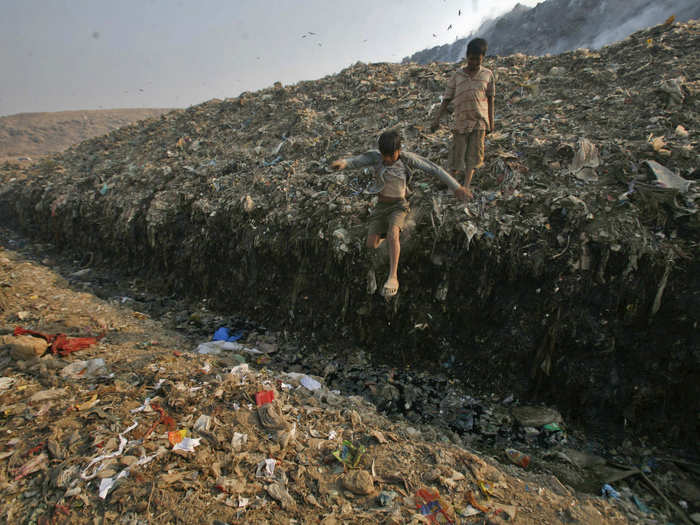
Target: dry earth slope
[
  {"x": 573, "y": 275},
  {"x": 35, "y": 135}
]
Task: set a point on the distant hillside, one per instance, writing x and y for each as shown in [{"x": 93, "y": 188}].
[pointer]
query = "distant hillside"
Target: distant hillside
[
  {"x": 556, "y": 26},
  {"x": 37, "y": 134}
]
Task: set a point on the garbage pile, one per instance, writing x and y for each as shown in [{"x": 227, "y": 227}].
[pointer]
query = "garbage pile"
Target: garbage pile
[
  {"x": 573, "y": 273},
  {"x": 561, "y": 25},
  {"x": 142, "y": 426}
]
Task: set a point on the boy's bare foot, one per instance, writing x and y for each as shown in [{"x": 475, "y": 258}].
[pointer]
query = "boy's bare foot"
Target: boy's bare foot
[
  {"x": 463, "y": 193},
  {"x": 371, "y": 282},
  {"x": 391, "y": 287}
]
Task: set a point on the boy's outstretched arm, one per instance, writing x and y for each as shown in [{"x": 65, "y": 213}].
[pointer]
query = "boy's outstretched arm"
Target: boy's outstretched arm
[
  {"x": 339, "y": 164},
  {"x": 443, "y": 108},
  {"x": 417, "y": 162},
  {"x": 366, "y": 159},
  {"x": 491, "y": 113}
]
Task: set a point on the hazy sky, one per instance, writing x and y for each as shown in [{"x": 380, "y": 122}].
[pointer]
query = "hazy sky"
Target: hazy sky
[{"x": 87, "y": 54}]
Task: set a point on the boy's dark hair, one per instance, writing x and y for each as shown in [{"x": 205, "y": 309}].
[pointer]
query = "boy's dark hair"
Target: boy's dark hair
[
  {"x": 478, "y": 46},
  {"x": 389, "y": 142}
]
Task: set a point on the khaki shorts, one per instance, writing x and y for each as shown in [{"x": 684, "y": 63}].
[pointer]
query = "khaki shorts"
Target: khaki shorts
[
  {"x": 386, "y": 215},
  {"x": 467, "y": 151}
]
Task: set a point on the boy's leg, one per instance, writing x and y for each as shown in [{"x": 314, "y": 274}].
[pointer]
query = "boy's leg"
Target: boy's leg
[
  {"x": 373, "y": 241},
  {"x": 394, "y": 245},
  {"x": 459, "y": 147},
  {"x": 377, "y": 226},
  {"x": 474, "y": 154},
  {"x": 396, "y": 221}
]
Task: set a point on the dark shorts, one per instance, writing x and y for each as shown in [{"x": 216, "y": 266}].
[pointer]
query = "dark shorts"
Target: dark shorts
[
  {"x": 386, "y": 215},
  {"x": 467, "y": 151}
]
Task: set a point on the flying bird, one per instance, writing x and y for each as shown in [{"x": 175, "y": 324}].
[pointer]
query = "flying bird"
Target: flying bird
[
  {"x": 449, "y": 27},
  {"x": 459, "y": 12},
  {"x": 434, "y": 35}
]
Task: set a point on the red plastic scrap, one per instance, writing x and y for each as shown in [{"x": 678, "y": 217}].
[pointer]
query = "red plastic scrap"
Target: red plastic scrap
[
  {"x": 61, "y": 344},
  {"x": 432, "y": 505},
  {"x": 165, "y": 419},
  {"x": 54, "y": 518},
  {"x": 475, "y": 504},
  {"x": 31, "y": 466},
  {"x": 36, "y": 449},
  {"x": 264, "y": 396}
]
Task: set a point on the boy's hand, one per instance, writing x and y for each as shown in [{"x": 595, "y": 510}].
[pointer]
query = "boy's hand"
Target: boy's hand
[
  {"x": 463, "y": 193},
  {"x": 339, "y": 164}
]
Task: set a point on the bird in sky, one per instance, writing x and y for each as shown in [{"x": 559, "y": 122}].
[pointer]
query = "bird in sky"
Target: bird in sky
[
  {"x": 459, "y": 12},
  {"x": 434, "y": 35},
  {"x": 449, "y": 27}
]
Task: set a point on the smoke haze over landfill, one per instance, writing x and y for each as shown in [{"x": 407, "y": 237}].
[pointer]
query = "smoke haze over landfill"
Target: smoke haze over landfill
[{"x": 78, "y": 54}]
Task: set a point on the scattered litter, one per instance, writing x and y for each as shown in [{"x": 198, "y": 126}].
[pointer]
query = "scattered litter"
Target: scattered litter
[
  {"x": 349, "y": 454},
  {"x": 222, "y": 334},
  {"x": 90, "y": 369},
  {"x": 310, "y": 383},
  {"x": 89, "y": 472},
  {"x": 266, "y": 468},
  {"x": 238, "y": 441},
  {"x": 202, "y": 424},
  {"x": 264, "y": 396},
  {"x": 608, "y": 492},
  {"x": 6, "y": 382},
  {"x": 186, "y": 444},
  {"x": 517, "y": 458}
]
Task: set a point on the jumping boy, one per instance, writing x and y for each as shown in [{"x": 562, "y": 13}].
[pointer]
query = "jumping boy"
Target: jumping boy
[
  {"x": 473, "y": 89},
  {"x": 391, "y": 167}
]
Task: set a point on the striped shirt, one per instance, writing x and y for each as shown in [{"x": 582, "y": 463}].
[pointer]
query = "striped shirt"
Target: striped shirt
[{"x": 469, "y": 94}]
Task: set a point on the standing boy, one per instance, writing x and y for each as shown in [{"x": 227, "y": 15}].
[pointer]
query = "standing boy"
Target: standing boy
[
  {"x": 472, "y": 89},
  {"x": 390, "y": 182}
]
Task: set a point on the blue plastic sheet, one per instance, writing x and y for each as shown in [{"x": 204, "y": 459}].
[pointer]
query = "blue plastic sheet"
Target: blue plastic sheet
[{"x": 222, "y": 334}]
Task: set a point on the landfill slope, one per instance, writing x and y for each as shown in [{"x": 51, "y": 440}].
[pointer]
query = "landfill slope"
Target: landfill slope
[
  {"x": 556, "y": 26},
  {"x": 571, "y": 276}
]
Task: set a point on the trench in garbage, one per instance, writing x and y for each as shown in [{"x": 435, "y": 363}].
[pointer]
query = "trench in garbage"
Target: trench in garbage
[{"x": 468, "y": 322}]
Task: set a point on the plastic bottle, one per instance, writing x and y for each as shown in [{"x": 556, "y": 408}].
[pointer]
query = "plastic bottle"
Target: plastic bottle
[{"x": 518, "y": 458}]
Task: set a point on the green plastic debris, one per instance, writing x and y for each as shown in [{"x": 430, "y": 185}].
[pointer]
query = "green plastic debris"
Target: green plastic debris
[
  {"x": 552, "y": 427},
  {"x": 349, "y": 454}
]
